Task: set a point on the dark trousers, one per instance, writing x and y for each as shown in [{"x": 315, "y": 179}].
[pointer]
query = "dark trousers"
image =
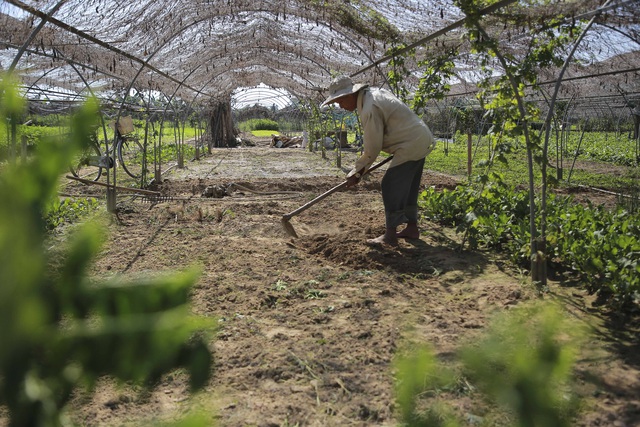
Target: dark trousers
[{"x": 400, "y": 188}]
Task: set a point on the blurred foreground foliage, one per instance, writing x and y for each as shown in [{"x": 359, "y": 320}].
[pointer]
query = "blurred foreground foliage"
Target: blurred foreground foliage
[
  {"x": 61, "y": 330},
  {"x": 522, "y": 365}
]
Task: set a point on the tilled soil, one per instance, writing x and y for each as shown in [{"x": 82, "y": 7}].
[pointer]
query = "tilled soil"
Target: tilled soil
[{"x": 309, "y": 326}]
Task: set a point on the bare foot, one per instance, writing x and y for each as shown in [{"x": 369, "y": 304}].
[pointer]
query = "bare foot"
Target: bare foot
[{"x": 383, "y": 240}]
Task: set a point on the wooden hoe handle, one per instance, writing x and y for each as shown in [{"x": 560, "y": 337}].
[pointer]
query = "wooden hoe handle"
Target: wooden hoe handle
[{"x": 307, "y": 205}]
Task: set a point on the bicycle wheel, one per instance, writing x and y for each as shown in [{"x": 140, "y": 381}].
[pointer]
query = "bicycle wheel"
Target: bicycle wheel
[
  {"x": 132, "y": 157},
  {"x": 88, "y": 163}
]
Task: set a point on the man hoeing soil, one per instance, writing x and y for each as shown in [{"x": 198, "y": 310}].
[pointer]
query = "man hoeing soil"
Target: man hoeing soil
[{"x": 388, "y": 125}]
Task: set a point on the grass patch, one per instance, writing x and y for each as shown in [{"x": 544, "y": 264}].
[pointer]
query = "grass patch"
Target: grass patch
[
  {"x": 264, "y": 133},
  {"x": 450, "y": 157}
]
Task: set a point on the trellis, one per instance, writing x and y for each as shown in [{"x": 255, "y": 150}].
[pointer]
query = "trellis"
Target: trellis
[
  {"x": 214, "y": 47},
  {"x": 199, "y": 52}
]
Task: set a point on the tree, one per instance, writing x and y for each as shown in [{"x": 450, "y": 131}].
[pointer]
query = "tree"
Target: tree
[{"x": 504, "y": 96}]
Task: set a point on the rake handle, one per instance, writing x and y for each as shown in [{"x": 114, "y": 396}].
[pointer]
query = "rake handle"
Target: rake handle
[{"x": 327, "y": 193}]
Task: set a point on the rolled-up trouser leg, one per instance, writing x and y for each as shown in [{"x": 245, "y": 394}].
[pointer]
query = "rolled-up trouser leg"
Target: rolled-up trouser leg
[{"x": 400, "y": 188}]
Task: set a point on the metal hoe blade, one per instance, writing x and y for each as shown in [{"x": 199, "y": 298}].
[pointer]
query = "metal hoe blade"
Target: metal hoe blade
[{"x": 288, "y": 227}]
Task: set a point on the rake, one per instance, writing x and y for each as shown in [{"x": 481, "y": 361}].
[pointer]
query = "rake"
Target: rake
[{"x": 288, "y": 227}]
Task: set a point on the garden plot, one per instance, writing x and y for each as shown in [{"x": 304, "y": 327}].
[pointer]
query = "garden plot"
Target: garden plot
[{"x": 309, "y": 327}]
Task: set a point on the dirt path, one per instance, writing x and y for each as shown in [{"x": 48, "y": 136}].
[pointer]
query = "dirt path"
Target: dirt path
[{"x": 309, "y": 326}]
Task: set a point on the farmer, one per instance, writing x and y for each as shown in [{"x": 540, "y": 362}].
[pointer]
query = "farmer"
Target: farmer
[{"x": 390, "y": 126}]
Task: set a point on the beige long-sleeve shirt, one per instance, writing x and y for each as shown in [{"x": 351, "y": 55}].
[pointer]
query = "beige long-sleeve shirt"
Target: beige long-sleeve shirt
[{"x": 389, "y": 125}]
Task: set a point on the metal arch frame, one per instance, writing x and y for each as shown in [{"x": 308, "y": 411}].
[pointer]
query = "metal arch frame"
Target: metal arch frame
[
  {"x": 43, "y": 75},
  {"x": 226, "y": 69},
  {"x": 290, "y": 92},
  {"x": 208, "y": 82},
  {"x": 286, "y": 46},
  {"x": 88, "y": 86},
  {"x": 28, "y": 41},
  {"x": 67, "y": 60},
  {"x": 104, "y": 128},
  {"x": 94, "y": 40},
  {"x": 166, "y": 107},
  {"x": 320, "y": 23},
  {"x": 297, "y": 95},
  {"x": 145, "y": 62},
  {"x": 277, "y": 95},
  {"x": 172, "y": 36},
  {"x": 374, "y": 64},
  {"x": 311, "y": 60},
  {"x": 192, "y": 102},
  {"x": 144, "y": 65},
  {"x": 34, "y": 33},
  {"x": 434, "y": 35},
  {"x": 35, "y": 12}
]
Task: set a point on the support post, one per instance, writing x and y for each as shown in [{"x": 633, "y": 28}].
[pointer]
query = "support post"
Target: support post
[
  {"x": 111, "y": 199},
  {"x": 469, "y": 162}
]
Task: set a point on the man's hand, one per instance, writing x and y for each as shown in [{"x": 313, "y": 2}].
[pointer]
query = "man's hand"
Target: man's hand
[{"x": 353, "y": 180}]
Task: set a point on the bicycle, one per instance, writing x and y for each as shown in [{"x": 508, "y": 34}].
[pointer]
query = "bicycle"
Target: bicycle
[{"x": 129, "y": 152}]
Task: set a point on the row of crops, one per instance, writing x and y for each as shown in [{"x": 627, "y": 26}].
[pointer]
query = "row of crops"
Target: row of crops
[
  {"x": 596, "y": 246},
  {"x": 599, "y": 248},
  {"x": 611, "y": 160}
]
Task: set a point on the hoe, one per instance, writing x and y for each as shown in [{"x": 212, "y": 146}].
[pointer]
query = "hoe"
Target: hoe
[{"x": 286, "y": 217}]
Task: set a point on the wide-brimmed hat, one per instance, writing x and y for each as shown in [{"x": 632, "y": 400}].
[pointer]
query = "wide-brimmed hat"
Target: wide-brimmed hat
[{"x": 341, "y": 86}]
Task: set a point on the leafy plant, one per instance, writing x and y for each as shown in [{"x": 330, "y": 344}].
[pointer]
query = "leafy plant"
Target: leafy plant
[
  {"x": 601, "y": 247},
  {"x": 600, "y": 146},
  {"x": 68, "y": 211},
  {"x": 315, "y": 294},
  {"x": 280, "y": 285},
  {"x": 417, "y": 374},
  {"x": 433, "y": 73},
  {"x": 31, "y": 134},
  {"x": 523, "y": 364},
  {"x": 59, "y": 328},
  {"x": 514, "y": 170}
]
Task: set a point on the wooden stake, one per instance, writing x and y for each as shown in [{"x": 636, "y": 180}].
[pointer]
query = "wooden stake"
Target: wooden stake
[{"x": 469, "y": 154}]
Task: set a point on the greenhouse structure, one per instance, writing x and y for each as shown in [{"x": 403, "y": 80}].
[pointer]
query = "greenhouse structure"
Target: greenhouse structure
[{"x": 189, "y": 137}]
